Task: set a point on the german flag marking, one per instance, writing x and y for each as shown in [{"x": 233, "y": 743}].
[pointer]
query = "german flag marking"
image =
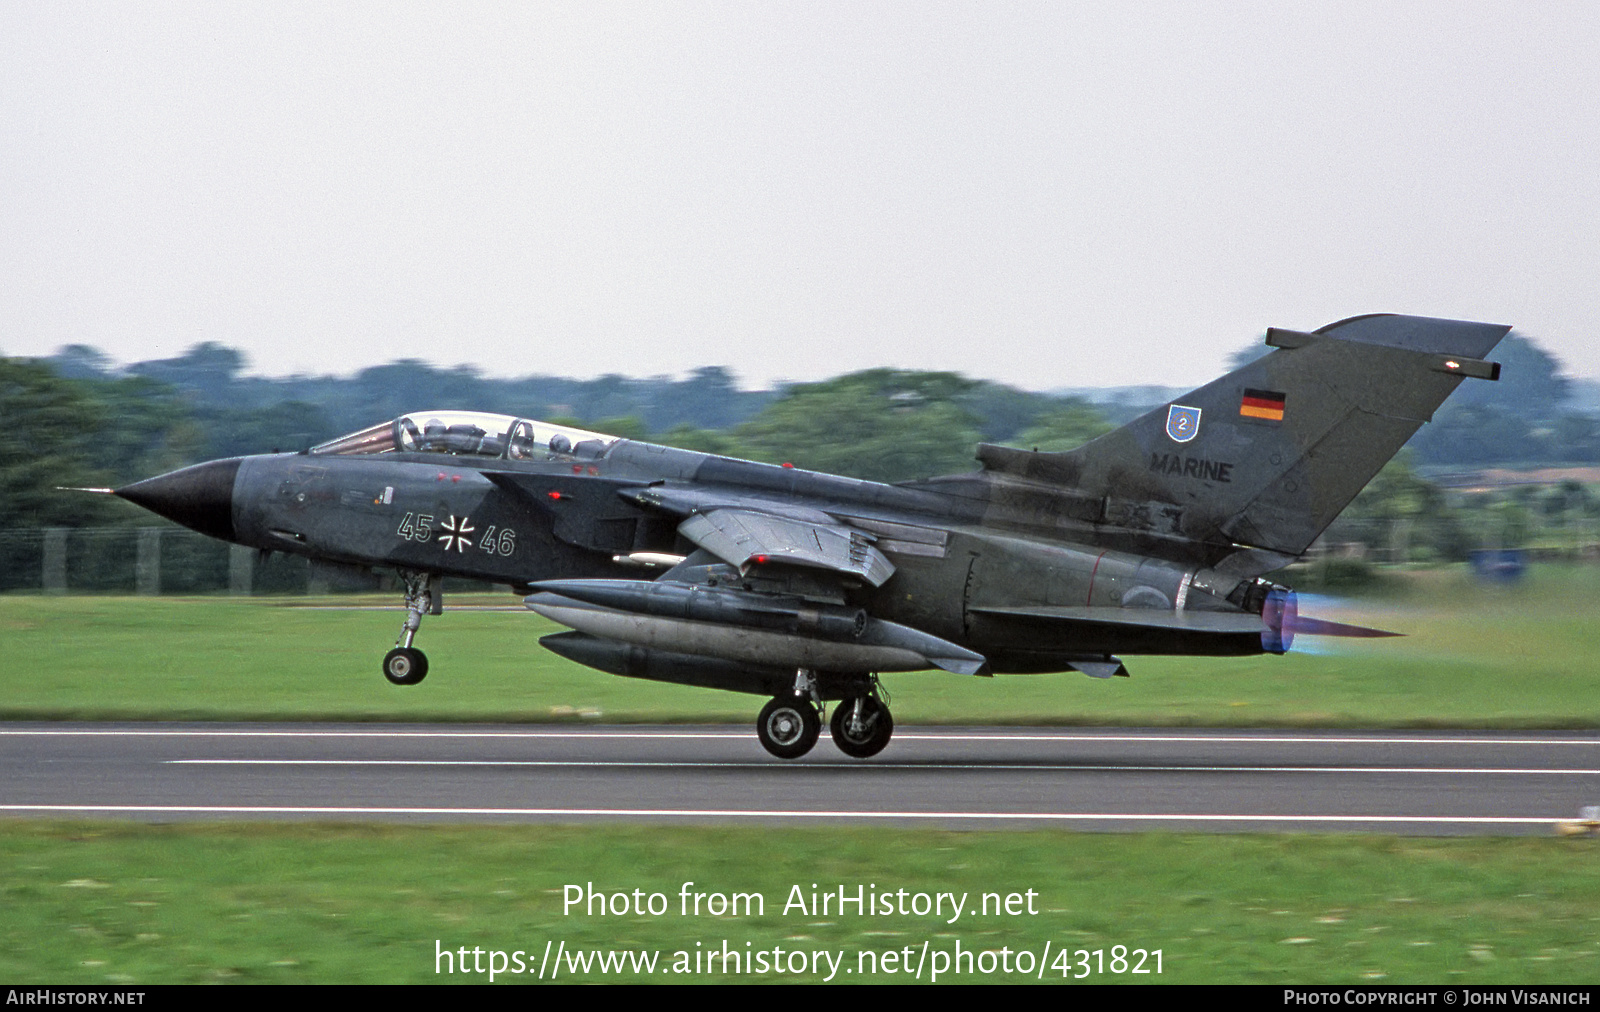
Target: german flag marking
[{"x": 1266, "y": 404}]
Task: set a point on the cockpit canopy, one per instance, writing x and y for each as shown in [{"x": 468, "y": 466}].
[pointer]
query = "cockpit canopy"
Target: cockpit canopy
[{"x": 473, "y": 434}]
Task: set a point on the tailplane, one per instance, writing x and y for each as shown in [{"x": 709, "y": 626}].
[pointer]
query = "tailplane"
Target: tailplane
[{"x": 1267, "y": 456}]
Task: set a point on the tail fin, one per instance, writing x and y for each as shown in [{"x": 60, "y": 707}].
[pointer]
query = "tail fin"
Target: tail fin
[{"x": 1268, "y": 455}]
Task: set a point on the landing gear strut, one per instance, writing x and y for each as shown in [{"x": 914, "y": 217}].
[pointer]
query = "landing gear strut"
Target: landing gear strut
[
  {"x": 406, "y": 665},
  {"x": 861, "y": 724}
]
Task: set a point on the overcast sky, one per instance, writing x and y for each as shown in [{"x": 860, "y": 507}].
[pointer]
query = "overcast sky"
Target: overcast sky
[{"x": 1062, "y": 194}]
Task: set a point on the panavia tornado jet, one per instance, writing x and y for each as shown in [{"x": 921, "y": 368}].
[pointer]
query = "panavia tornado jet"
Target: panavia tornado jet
[{"x": 686, "y": 567}]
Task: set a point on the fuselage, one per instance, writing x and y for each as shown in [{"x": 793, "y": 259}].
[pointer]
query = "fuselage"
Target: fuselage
[{"x": 979, "y": 562}]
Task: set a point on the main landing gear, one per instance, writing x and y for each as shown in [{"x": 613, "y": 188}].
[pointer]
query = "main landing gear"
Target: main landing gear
[
  {"x": 791, "y": 723},
  {"x": 406, "y": 665},
  {"x": 789, "y": 726},
  {"x": 861, "y": 726}
]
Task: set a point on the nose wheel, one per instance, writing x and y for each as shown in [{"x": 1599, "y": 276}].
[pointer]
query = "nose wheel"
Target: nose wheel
[
  {"x": 789, "y": 726},
  {"x": 405, "y": 664}
]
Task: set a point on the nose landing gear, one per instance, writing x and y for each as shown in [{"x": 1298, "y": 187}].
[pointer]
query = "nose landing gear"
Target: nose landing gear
[{"x": 406, "y": 665}]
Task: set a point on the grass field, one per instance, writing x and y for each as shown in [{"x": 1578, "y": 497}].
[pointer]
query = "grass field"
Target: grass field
[
  {"x": 1472, "y": 657},
  {"x": 285, "y": 903}
]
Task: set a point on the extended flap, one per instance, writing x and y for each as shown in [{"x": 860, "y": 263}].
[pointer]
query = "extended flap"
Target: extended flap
[{"x": 745, "y": 538}]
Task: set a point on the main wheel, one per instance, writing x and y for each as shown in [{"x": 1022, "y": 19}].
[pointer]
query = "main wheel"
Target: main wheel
[
  {"x": 864, "y": 734},
  {"x": 788, "y": 726},
  {"x": 405, "y": 666}
]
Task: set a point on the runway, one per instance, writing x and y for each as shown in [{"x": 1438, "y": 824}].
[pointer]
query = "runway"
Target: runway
[{"x": 1434, "y": 783}]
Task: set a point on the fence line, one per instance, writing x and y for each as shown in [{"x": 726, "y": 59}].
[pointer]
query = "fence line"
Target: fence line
[{"x": 143, "y": 560}]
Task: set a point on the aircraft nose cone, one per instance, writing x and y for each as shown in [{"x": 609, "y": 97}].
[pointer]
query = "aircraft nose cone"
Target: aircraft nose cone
[{"x": 198, "y": 497}]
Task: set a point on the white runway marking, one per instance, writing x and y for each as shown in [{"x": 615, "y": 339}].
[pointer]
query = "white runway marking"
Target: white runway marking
[
  {"x": 725, "y": 813},
  {"x": 1071, "y": 767},
  {"x": 151, "y": 733},
  {"x": 1355, "y": 738}
]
